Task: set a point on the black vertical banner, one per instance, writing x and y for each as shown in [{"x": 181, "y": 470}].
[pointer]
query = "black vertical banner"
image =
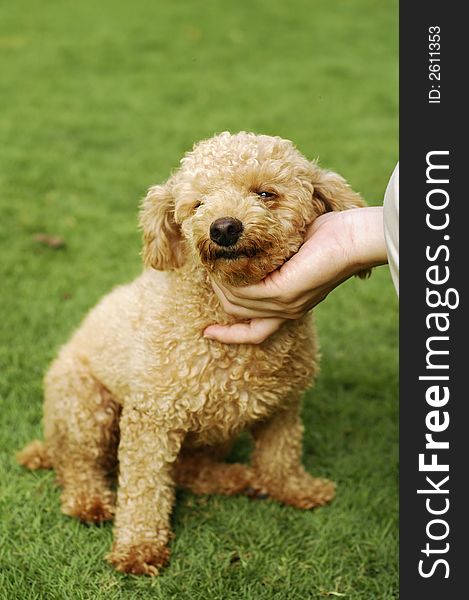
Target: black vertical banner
[{"x": 434, "y": 268}]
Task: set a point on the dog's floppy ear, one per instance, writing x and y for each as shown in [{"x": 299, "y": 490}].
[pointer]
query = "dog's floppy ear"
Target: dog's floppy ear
[
  {"x": 332, "y": 192},
  {"x": 163, "y": 244}
]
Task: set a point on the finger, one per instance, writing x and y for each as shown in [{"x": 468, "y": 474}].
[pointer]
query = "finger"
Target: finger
[
  {"x": 255, "y": 309},
  {"x": 236, "y": 304},
  {"x": 254, "y": 332},
  {"x": 264, "y": 290},
  {"x": 251, "y": 309},
  {"x": 281, "y": 288}
]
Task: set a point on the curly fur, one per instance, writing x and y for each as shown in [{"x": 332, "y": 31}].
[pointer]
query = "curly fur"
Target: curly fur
[{"x": 138, "y": 384}]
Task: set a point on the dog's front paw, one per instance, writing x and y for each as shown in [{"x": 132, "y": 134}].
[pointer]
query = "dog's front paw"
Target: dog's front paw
[{"x": 139, "y": 559}]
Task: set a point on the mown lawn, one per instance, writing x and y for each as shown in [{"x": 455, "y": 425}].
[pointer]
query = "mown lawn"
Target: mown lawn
[{"x": 98, "y": 100}]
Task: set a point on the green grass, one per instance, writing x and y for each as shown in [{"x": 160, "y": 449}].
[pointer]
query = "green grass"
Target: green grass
[{"x": 98, "y": 101}]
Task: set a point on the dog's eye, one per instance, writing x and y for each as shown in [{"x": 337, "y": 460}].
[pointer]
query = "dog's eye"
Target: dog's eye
[
  {"x": 197, "y": 204},
  {"x": 266, "y": 194}
]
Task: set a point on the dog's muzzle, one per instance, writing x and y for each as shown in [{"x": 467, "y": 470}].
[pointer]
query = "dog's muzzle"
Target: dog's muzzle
[{"x": 226, "y": 231}]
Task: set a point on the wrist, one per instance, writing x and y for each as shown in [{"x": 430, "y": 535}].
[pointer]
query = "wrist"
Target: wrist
[{"x": 368, "y": 246}]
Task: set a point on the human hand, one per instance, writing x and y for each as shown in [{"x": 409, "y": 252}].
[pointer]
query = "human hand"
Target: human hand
[{"x": 337, "y": 245}]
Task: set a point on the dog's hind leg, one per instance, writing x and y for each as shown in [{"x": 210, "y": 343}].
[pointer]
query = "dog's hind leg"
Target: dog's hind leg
[
  {"x": 202, "y": 471},
  {"x": 34, "y": 456},
  {"x": 81, "y": 429}
]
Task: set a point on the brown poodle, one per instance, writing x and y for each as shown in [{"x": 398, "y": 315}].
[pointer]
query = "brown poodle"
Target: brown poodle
[{"x": 138, "y": 385}]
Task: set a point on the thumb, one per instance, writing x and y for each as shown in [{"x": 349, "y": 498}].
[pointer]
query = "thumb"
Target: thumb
[{"x": 254, "y": 332}]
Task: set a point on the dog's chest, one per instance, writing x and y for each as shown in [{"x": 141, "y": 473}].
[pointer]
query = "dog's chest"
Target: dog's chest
[
  {"x": 227, "y": 388},
  {"x": 216, "y": 389}
]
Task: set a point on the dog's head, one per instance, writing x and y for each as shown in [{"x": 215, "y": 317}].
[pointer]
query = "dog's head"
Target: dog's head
[{"x": 239, "y": 205}]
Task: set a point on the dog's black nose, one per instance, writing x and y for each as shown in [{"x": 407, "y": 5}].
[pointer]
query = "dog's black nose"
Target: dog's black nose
[{"x": 226, "y": 231}]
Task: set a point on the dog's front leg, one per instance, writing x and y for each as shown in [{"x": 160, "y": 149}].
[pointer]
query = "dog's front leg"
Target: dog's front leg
[
  {"x": 276, "y": 462},
  {"x": 147, "y": 451}
]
